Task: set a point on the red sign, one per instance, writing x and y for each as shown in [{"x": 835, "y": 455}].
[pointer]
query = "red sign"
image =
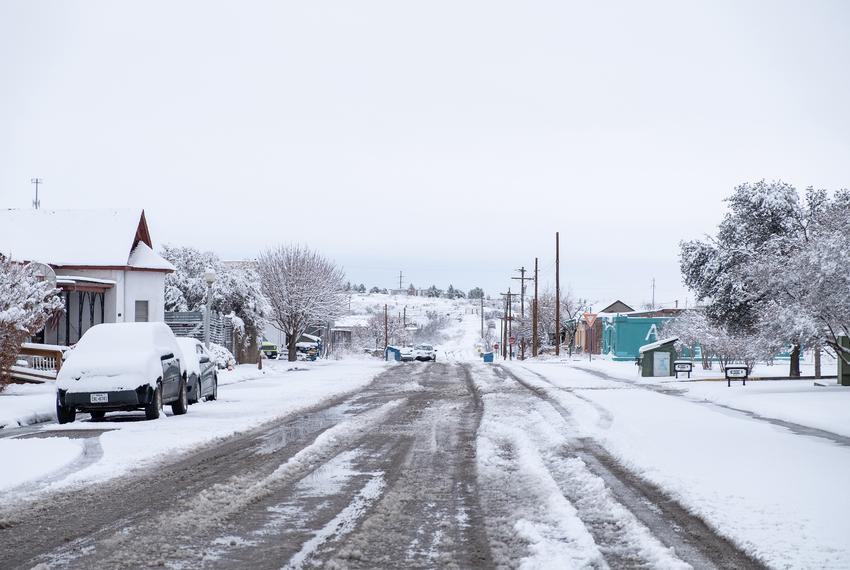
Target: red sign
[
  {"x": 589, "y": 318},
  {"x": 512, "y": 340}
]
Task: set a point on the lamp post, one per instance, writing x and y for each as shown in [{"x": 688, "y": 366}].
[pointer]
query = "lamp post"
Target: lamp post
[{"x": 209, "y": 277}]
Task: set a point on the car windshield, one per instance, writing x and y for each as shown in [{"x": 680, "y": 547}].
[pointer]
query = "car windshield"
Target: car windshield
[{"x": 423, "y": 347}]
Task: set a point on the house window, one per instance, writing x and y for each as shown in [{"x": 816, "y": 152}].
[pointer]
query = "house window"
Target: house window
[{"x": 141, "y": 311}]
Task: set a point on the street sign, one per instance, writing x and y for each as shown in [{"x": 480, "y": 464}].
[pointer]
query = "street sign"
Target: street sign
[
  {"x": 683, "y": 366},
  {"x": 736, "y": 373},
  {"x": 512, "y": 340}
]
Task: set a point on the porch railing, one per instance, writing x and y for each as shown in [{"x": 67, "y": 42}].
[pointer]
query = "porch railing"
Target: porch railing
[{"x": 38, "y": 362}]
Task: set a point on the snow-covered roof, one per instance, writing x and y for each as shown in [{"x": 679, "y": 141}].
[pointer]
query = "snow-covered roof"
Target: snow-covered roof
[
  {"x": 79, "y": 238},
  {"x": 143, "y": 257},
  {"x": 657, "y": 344},
  {"x": 77, "y": 278}
]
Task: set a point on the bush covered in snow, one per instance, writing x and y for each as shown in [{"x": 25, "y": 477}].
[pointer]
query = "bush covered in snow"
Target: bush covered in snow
[
  {"x": 222, "y": 357},
  {"x": 26, "y": 304}
]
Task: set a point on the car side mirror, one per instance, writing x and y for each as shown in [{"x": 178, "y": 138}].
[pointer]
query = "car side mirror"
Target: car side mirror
[
  {"x": 168, "y": 356},
  {"x": 204, "y": 359}
]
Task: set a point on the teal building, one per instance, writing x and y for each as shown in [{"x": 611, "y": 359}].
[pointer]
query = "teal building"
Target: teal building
[{"x": 622, "y": 335}]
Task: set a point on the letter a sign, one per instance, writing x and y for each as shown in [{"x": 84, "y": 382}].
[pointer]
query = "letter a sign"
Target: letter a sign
[{"x": 653, "y": 331}]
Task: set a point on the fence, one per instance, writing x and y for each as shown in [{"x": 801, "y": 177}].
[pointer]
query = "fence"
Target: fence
[
  {"x": 191, "y": 324},
  {"x": 37, "y": 362}
]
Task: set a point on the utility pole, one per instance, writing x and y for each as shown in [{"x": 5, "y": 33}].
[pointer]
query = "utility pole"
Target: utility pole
[
  {"x": 502, "y": 332},
  {"x": 522, "y": 279},
  {"x": 508, "y": 351},
  {"x": 404, "y": 319},
  {"x": 534, "y": 314},
  {"x": 400, "y": 277},
  {"x": 653, "y": 293},
  {"x": 386, "y": 331},
  {"x": 510, "y": 324},
  {"x": 557, "y": 293},
  {"x": 36, "y": 203},
  {"x": 482, "y": 317}
]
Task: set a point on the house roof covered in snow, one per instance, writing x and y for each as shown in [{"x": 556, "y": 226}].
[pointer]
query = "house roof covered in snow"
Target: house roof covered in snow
[{"x": 114, "y": 239}]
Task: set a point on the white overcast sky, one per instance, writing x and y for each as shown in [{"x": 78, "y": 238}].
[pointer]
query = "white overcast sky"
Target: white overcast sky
[{"x": 449, "y": 140}]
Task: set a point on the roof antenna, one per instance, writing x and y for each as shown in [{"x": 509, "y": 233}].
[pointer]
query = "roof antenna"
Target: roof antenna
[{"x": 36, "y": 203}]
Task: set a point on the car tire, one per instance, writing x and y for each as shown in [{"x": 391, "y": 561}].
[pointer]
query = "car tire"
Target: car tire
[
  {"x": 214, "y": 395},
  {"x": 65, "y": 414},
  {"x": 97, "y": 415},
  {"x": 154, "y": 407},
  {"x": 181, "y": 404},
  {"x": 197, "y": 393}
]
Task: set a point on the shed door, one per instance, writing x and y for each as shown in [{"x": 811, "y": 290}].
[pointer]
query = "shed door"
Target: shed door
[{"x": 661, "y": 364}]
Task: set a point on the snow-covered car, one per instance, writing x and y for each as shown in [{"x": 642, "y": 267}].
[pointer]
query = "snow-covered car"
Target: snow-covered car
[
  {"x": 406, "y": 353},
  {"x": 122, "y": 367},
  {"x": 201, "y": 371},
  {"x": 425, "y": 353}
]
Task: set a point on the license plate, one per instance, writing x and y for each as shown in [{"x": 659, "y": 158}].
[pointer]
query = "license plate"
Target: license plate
[{"x": 99, "y": 398}]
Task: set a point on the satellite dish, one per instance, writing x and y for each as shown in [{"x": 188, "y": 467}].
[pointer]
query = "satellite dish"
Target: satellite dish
[{"x": 43, "y": 272}]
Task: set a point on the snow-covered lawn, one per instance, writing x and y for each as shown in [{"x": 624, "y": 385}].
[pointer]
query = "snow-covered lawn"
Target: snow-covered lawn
[
  {"x": 247, "y": 398},
  {"x": 625, "y": 369},
  {"x": 767, "y": 488},
  {"x": 25, "y": 404},
  {"x": 797, "y": 401}
]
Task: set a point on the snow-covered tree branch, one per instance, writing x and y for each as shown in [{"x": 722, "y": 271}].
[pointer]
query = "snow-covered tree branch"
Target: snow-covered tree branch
[
  {"x": 236, "y": 291},
  {"x": 26, "y": 304}
]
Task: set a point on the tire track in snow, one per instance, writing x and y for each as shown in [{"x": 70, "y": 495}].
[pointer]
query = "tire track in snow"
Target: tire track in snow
[
  {"x": 70, "y": 524},
  {"x": 174, "y": 533},
  {"x": 429, "y": 516},
  {"x": 693, "y": 540}
]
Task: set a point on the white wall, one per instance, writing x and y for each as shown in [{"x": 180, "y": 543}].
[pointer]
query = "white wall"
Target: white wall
[{"x": 144, "y": 286}]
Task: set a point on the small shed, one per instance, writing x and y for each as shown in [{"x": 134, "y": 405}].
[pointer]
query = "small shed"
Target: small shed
[
  {"x": 656, "y": 359},
  {"x": 392, "y": 353}
]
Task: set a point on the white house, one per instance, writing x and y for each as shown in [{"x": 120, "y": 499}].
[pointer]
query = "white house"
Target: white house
[{"x": 104, "y": 262}]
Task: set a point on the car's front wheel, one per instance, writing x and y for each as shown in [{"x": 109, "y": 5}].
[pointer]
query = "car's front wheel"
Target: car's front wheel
[
  {"x": 179, "y": 407},
  {"x": 65, "y": 414},
  {"x": 153, "y": 408}
]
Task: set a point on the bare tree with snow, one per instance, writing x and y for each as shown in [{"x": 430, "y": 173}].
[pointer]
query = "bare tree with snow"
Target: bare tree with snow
[
  {"x": 26, "y": 304},
  {"x": 303, "y": 288}
]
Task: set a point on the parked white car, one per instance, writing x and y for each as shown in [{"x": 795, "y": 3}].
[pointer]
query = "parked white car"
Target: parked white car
[
  {"x": 406, "y": 353},
  {"x": 425, "y": 353},
  {"x": 202, "y": 376},
  {"x": 122, "y": 367}
]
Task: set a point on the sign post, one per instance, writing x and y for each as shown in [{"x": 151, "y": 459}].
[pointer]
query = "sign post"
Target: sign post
[
  {"x": 736, "y": 373},
  {"x": 683, "y": 366}
]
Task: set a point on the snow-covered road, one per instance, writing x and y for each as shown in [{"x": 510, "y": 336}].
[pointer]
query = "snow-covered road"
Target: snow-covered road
[{"x": 447, "y": 465}]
